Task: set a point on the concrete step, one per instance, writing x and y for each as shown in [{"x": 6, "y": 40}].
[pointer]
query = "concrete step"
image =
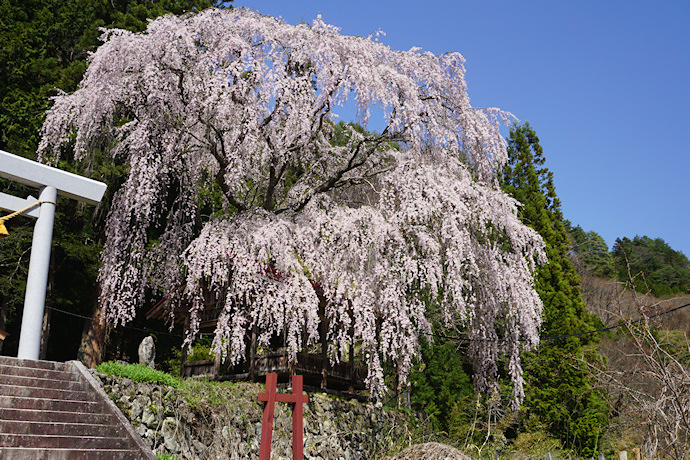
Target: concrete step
[
  {"x": 63, "y": 441},
  {"x": 37, "y": 372},
  {"x": 59, "y": 411},
  {"x": 38, "y": 403},
  {"x": 25, "y": 453},
  {"x": 46, "y": 393},
  {"x": 59, "y": 428},
  {"x": 36, "y": 382},
  {"x": 31, "y": 415},
  {"x": 32, "y": 364}
]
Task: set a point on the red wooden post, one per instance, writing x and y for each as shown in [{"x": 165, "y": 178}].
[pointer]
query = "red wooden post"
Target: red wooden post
[
  {"x": 267, "y": 423},
  {"x": 297, "y": 416}
]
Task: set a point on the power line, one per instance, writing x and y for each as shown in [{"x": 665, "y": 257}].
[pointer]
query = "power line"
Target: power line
[
  {"x": 615, "y": 326},
  {"x": 126, "y": 327},
  {"x": 565, "y": 336},
  {"x": 440, "y": 336}
]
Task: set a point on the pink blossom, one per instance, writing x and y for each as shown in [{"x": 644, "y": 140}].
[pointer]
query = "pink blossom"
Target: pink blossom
[{"x": 233, "y": 106}]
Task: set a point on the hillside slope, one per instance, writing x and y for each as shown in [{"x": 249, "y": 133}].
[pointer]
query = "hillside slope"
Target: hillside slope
[{"x": 646, "y": 369}]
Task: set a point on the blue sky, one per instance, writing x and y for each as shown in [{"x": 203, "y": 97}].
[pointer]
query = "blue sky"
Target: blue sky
[{"x": 605, "y": 84}]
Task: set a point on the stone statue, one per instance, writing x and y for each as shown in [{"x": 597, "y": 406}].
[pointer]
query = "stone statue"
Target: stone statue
[{"x": 147, "y": 352}]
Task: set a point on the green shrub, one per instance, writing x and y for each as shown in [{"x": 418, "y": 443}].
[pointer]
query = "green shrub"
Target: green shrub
[
  {"x": 201, "y": 351},
  {"x": 537, "y": 443},
  {"x": 440, "y": 386},
  {"x": 166, "y": 457},
  {"x": 137, "y": 373}
]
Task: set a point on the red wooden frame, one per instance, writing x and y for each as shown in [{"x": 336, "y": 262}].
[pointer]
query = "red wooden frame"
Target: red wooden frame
[{"x": 271, "y": 396}]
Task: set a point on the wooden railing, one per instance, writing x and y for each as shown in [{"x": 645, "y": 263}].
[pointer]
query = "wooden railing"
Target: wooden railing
[
  {"x": 199, "y": 368},
  {"x": 310, "y": 365}
]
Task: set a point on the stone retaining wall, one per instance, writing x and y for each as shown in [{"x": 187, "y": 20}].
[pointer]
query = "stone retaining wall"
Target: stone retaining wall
[{"x": 225, "y": 422}]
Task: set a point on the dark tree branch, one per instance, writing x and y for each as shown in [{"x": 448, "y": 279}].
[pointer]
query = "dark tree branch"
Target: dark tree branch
[
  {"x": 223, "y": 166},
  {"x": 356, "y": 160}
]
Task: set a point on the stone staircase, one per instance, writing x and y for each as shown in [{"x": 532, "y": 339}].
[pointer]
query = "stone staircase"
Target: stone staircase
[{"x": 56, "y": 411}]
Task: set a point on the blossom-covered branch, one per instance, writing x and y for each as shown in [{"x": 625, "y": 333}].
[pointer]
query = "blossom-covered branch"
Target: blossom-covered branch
[{"x": 233, "y": 103}]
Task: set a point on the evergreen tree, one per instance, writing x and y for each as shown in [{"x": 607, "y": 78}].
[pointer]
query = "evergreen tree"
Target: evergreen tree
[
  {"x": 653, "y": 265},
  {"x": 558, "y": 390},
  {"x": 440, "y": 383},
  {"x": 590, "y": 252},
  {"x": 44, "y": 46}
]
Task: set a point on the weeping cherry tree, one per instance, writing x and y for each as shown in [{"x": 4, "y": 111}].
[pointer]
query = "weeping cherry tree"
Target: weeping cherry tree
[{"x": 378, "y": 227}]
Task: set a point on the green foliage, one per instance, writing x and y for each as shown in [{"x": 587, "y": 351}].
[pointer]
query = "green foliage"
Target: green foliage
[
  {"x": 440, "y": 386},
  {"x": 677, "y": 343},
  {"x": 166, "y": 456},
  {"x": 14, "y": 257},
  {"x": 649, "y": 264},
  {"x": 137, "y": 373},
  {"x": 559, "y": 395},
  {"x": 200, "y": 392},
  {"x": 342, "y": 135},
  {"x": 201, "y": 351},
  {"x": 652, "y": 266},
  {"x": 591, "y": 251},
  {"x": 537, "y": 442},
  {"x": 558, "y": 390},
  {"x": 44, "y": 45}
]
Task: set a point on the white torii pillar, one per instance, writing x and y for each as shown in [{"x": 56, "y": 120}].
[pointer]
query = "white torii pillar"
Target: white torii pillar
[{"x": 51, "y": 182}]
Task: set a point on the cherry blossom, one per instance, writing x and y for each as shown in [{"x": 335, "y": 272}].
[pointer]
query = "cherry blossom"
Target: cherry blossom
[{"x": 232, "y": 111}]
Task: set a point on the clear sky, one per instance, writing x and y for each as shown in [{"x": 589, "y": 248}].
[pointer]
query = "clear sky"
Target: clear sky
[{"x": 605, "y": 84}]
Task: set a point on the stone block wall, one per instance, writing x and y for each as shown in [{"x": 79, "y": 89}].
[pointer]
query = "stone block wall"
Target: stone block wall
[{"x": 224, "y": 421}]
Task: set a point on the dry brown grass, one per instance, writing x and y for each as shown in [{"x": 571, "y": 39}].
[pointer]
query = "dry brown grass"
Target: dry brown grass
[
  {"x": 645, "y": 375},
  {"x": 609, "y": 300},
  {"x": 430, "y": 451}
]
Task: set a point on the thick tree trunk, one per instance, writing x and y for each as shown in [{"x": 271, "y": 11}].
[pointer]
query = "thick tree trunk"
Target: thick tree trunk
[
  {"x": 3, "y": 317},
  {"x": 252, "y": 357},
  {"x": 93, "y": 340},
  {"x": 45, "y": 333}
]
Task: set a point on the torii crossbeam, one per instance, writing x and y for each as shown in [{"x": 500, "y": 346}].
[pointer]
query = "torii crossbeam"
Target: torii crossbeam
[{"x": 50, "y": 182}]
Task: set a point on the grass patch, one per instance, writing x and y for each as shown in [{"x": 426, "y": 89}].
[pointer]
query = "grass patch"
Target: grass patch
[
  {"x": 137, "y": 373},
  {"x": 210, "y": 393},
  {"x": 166, "y": 456}
]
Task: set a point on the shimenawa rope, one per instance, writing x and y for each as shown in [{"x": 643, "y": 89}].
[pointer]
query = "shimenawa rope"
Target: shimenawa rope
[{"x": 3, "y": 219}]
